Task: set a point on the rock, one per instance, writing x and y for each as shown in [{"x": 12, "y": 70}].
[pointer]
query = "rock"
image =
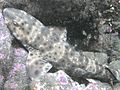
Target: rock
[
  {"x": 2, "y": 2},
  {"x": 18, "y": 78},
  {"x": 108, "y": 43},
  {"x": 117, "y": 86},
  {"x": 5, "y": 51},
  {"x": 115, "y": 64},
  {"x": 55, "y": 81},
  {"x": 115, "y": 68},
  {"x": 99, "y": 85}
]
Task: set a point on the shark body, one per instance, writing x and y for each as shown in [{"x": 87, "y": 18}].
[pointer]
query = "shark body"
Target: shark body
[{"x": 46, "y": 44}]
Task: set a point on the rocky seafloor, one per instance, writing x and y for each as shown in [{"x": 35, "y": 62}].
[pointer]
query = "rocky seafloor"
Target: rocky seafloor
[{"x": 92, "y": 28}]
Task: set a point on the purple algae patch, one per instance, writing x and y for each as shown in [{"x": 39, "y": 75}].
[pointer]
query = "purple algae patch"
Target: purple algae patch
[
  {"x": 2, "y": 56},
  {"x": 92, "y": 86},
  {"x": 11, "y": 85},
  {"x": 17, "y": 67},
  {"x": 62, "y": 78},
  {"x": 4, "y": 35},
  {"x": 19, "y": 52}
]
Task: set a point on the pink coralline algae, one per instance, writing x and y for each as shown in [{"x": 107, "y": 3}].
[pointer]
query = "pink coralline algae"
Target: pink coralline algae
[
  {"x": 4, "y": 35},
  {"x": 92, "y": 86},
  {"x": 18, "y": 73},
  {"x": 108, "y": 29},
  {"x": 18, "y": 67},
  {"x": 62, "y": 78},
  {"x": 19, "y": 62},
  {"x": 76, "y": 86},
  {"x": 11, "y": 85},
  {"x": 2, "y": 56},
  {"x": 19, "y": 52}
]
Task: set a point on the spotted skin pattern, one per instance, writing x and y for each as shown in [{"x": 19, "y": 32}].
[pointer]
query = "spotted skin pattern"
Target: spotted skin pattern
[{"x": 45, "y": 43}]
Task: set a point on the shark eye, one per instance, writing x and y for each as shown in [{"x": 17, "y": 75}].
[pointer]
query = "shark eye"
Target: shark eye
[{"x": 15, "y": 23}]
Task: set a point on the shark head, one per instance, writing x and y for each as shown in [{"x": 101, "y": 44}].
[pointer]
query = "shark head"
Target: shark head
[
  {"x": 29, "y": 30},
  {"x": 22, "y": 25}
]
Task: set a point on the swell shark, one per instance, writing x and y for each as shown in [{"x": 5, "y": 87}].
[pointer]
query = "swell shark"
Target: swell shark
[{"x": 48, "y": 44}]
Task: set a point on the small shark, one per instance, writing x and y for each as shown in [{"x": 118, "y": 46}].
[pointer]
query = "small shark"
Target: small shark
[
  {"x": 47, "y": 44},
  {"x": 40, "y": 40}
]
